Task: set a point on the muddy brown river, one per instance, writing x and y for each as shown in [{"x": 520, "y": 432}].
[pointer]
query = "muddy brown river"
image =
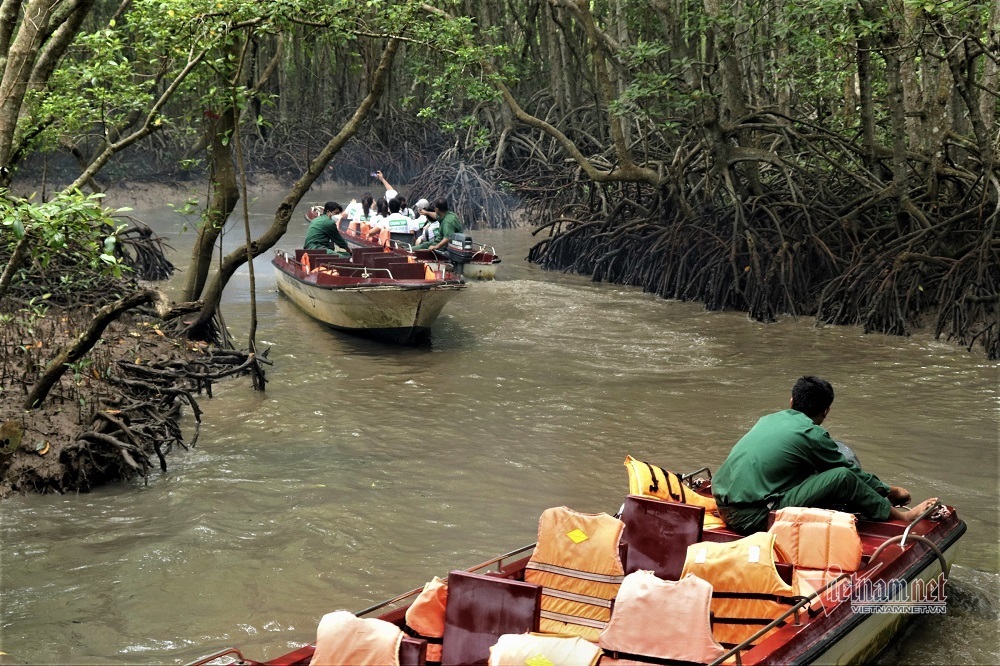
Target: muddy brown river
[{"x": 365, "y": 469}]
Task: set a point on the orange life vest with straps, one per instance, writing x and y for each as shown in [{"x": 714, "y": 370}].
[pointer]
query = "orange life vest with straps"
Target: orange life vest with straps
[
  {"x": 577, "y": 564},
  {"x": 747, "y": 591},
  {"x": 425, "y": 616},
  {"x": 648, "y": 480},
  {"x": 821, "y": 544},
  {"x": 662, "y": 619}
]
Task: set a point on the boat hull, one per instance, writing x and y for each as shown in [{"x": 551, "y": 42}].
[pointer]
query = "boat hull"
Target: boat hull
[
  {"x": 857, "y": 638},
  {"x": 397, "y": 313}
]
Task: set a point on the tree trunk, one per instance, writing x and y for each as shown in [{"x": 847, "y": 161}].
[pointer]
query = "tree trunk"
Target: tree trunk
[
  {"x": 232, "y": 261},
  {"x": 225, "y": 194},
  {"x": 17, "y": 68}
]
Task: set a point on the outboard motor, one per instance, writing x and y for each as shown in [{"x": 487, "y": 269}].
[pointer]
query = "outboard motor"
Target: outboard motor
[
  {"x": 460, "y": 251},
  {"x": 851, "y": 456}
]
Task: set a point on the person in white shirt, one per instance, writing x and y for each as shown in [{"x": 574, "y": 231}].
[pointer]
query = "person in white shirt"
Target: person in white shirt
[
  {"x": 419, "y": 220},
  {"x": 394, "y": 222}
]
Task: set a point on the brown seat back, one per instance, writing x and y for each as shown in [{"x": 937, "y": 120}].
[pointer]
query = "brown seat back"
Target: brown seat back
[
  {"x": 658, "y": 534},
  {"x": 412, "y": 652},
  {"x": 481, "y": 609}
]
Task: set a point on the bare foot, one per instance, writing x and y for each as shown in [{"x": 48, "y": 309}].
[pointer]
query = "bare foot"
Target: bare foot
[
  {"x": 908, "y": 515},
  {"x": 911, "y": 514}
]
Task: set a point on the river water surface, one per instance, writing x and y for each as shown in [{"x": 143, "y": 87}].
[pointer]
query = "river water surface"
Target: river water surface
[{"x": 365, "y": 469}]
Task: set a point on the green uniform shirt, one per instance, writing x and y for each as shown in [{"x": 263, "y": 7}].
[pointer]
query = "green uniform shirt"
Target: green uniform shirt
[
  {"x": 778, "y": 454},
  {"x": 324, "y": 234},
  {"x": 450, "y": 225}
]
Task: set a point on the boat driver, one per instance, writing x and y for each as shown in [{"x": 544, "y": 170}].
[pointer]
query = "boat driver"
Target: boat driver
[
  {"x": 787, "y": 459},
  {"x": 324, "y": 230}
]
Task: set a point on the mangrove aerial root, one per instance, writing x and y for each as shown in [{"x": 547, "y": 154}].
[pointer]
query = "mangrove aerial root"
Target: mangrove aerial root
[{"x": 811, "y": 230}]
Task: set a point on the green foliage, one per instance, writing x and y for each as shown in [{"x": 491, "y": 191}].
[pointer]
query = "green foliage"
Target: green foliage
[{"x": 72, "y": 224}]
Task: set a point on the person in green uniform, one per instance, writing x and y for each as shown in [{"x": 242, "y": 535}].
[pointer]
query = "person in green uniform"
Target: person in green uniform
[
  {"x": 787, "y": 459},
  {"x": 449, "y": 225},
  {"x": 324, "y": 230}
]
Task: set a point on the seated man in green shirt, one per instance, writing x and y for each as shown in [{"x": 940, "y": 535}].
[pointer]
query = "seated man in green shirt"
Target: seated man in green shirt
[
  {"x": 449, "y": 225},
  {"x": 324, "y": 230},
  {"x": 787, "y": 459}
]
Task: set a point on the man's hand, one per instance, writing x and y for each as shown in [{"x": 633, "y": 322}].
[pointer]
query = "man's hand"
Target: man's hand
[{"x": 898, "y": 496}]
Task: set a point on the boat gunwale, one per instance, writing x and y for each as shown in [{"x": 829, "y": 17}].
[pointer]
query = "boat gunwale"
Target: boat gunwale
[{"x": 404, "y": 284}]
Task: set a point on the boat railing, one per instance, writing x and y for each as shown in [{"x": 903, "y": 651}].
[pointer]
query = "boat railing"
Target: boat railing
[
  {"x": 901, "y": 539},
  {"x": 219, "y": 655},
  {"x": 796, "y": 610},
  {"x": 498, "y": 561}
]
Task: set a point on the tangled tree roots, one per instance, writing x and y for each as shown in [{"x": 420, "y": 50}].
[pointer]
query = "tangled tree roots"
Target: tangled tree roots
[
  {"x": 133, "y": 415},
  {"x": 471, "y": 194},
  {"x": 813, "y": 229},
  {"x": 142, "y": 250}
]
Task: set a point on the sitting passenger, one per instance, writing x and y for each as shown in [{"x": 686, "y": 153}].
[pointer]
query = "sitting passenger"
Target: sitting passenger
[
  {"x": 394, "y": 222},
  {"x": 449, "y": 226},
  {"x": 360, "y": 212},
  {"x": 787, "y": 459},
  {"x": 324, "y": 231},
  {"x": 419, "y": 224}
]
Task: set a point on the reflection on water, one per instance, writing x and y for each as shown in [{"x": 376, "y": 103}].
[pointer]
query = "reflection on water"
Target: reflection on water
[{"x": 365, "y": 469}]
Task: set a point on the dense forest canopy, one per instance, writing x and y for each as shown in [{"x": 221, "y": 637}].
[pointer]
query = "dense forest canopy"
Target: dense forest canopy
[{"x": 827, "y": 157}]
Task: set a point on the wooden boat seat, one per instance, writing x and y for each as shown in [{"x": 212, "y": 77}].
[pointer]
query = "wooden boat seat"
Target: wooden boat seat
[
  {"x": 480, "y": 609},
  {"x": 412, "y": 651},
  {"x": 402, "y": 270},
  {"x": 358, "y": 253},
  {"x": 299, "y": 253},
  {"x": 658, "y": 534}
]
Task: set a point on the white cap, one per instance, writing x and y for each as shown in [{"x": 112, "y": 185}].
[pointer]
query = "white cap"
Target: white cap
[{"x": 421, "y": 204}]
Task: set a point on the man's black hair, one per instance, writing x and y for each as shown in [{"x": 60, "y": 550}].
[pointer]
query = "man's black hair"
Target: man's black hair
[
  {"x": 441, "y": 205},
  {"x": 812, "y": 395},
  {"x": 332, "y": 207},
  {"x": 394, "y": 205}
]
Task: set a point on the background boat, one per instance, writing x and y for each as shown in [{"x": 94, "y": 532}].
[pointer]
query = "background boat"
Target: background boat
[{"x": 373, "y": 293}]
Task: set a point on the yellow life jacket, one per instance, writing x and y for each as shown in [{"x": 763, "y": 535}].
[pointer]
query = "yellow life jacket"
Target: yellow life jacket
[
  {"x": 648, "y": 480},
  {"x": 577, "y": 564},
  {"x": 662, "y": 619},
  {"x": 425, "y": 616},
  {"x": 343, "y": 638},
  {"x": 543, "y": 650},
  {"x": 747, "y": 591}
]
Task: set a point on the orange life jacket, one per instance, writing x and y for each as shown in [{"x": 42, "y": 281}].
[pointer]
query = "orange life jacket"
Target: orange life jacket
[
  {"x": 577, "y": 564},
  {"x": 544, "y": 649},
  {"x": 648, "y": 480},
  {"x": 343, "y": 638},
  {"x": 820, "y": 543},
  {"x": 747, "y": 592},
  {"x": 425, "y": 616},
  {"x": 384, "y": 236},
  {"x": 662, "y": 619}
]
